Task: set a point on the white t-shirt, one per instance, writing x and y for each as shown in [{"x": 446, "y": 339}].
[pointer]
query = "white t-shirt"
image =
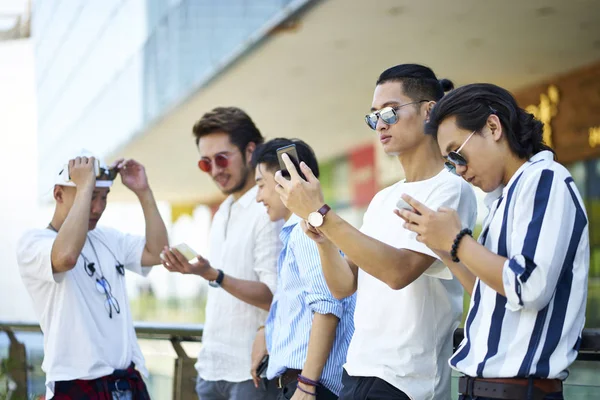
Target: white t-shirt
[
  {"x": 405, "y": 336},
  {"x": 81, "y": 341},
  {"x": 245, "y": 244}
]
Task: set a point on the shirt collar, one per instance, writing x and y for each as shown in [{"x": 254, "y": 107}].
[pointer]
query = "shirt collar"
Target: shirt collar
[
  {"x": 292, "y": 221},
  {"x": 244, "y": 201},
  {"x": 502, "y": 190},
  {"x": 288, "y": 227}
]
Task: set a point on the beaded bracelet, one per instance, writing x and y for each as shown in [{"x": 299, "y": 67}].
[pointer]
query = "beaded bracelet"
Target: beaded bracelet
[
  {"x": 457, "y": 240},
  {"x": 307, "y": 381}
]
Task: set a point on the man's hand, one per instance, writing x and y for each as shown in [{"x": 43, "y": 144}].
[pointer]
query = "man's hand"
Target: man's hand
[
  {"x": 82, "y": 172},
  {"x": 437, "y": 230},
  {"x": 313, "y": 233},
  {"x": 133, "y": 176},
  {"x": 299, "y": 196},
  {"x": 174, "y": 261},
  {"x": 259, "y": 351}
]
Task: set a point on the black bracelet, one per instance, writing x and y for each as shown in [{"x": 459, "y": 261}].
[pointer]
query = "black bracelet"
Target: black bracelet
[{"x": 457, "y": 240}]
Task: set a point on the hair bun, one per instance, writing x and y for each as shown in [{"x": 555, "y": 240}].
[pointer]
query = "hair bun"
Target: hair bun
[{"x": 446, "y": 85}]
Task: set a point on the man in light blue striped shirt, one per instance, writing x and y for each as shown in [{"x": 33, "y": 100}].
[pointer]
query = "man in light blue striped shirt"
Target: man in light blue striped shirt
[
  {"x": 528, "y": 272},
  {"x": 307, "y": 331}
]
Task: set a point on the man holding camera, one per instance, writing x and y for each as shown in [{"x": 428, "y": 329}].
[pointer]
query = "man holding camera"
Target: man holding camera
[{"x": 74, "y": 272}]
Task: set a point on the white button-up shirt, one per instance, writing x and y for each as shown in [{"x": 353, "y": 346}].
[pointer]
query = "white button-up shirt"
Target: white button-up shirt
[
  {"x": 538, "y": 222},
  {"x": 244, "y": 244}
]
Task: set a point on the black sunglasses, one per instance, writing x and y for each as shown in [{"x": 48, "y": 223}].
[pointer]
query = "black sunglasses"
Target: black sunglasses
[
  {"x": 107, "y": 174},
  {"x": 389, "y": 115},
  {"x": 455, "y": 158}
]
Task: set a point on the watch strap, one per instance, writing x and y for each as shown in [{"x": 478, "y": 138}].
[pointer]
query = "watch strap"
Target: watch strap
[{"x": 324, "y": 210}]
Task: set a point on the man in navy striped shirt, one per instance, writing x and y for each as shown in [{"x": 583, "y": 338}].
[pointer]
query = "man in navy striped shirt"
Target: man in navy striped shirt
[
  {"x": 528, "y": 273},
  {"x": 307, "y": 331}
]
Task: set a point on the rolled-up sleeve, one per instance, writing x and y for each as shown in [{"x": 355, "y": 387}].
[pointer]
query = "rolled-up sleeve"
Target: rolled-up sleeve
[
  {"x": 318, "y": 297},
  {"x": 548, "y": 219},
  {"x": 266, "y": 251}
]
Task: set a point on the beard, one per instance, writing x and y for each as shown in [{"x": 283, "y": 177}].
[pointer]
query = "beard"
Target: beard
[{"x": 242, "y": 182}]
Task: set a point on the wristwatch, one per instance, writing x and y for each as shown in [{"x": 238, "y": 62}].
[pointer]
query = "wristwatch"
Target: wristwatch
[
  {"x": 316, "y": 218},
  {"x": 217, "y": 282}
]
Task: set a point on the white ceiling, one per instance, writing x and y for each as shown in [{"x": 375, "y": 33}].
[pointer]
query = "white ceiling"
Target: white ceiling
[{"x": 315, "y": 82}]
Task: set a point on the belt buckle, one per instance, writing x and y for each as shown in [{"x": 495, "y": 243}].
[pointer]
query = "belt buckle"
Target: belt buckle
[
  {"x": 117, "y": 386},
  {"x": 279, "y": 382}
]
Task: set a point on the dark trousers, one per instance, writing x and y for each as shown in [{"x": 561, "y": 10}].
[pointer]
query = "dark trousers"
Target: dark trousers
[
  {"x": 551, "y": 396},
  {"x": 288, "y": 391},
  {"x": 369, "y": 388}
]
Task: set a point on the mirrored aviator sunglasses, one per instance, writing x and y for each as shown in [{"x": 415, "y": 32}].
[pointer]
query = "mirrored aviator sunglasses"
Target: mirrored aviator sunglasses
[
  {"x": 221, "y": 161},
  {"x": 387, "y": 115},
  {"x": 454, "y": 159}
]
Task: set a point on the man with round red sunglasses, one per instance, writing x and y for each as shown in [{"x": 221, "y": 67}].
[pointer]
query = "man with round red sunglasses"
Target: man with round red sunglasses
[{"x": 242, "y": 270}]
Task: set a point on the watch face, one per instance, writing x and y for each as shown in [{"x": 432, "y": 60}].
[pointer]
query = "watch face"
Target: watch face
[
  {"x": 213, "y": 284},
  {"x": 315, "y": 219}
]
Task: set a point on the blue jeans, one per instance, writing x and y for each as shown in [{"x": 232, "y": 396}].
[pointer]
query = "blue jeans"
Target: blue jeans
[{"x": 122, "y": 395}]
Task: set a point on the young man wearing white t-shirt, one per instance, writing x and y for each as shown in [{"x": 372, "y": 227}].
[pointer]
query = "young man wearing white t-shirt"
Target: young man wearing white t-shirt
[
  {"x": 408, "y": 304},
  {"x": 75, "y": 275}
]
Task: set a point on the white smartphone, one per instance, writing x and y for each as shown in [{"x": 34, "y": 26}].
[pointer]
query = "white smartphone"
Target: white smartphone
[
  {"x": 186, "y": 251},
  {"x": 403, "y": 205}
]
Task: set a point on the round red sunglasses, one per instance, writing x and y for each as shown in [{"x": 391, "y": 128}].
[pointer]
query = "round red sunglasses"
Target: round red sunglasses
[{"x": 221, "y": 160}]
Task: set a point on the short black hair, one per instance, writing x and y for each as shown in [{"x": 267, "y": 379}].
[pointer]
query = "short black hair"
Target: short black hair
[
  {"x": 418, "y": 81},
  {"x": 472, "y": 105},
  {"x": 231, "y": 120},
  {"x": 266, "y": 154}
]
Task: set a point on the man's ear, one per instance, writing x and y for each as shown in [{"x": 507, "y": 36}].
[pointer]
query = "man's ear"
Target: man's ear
[
  {"x": 428, "y": 107},
  {"x": 493, "y": 123},
  {"x": 250, "y": 150},
  {"x": 58, "y": 194}
]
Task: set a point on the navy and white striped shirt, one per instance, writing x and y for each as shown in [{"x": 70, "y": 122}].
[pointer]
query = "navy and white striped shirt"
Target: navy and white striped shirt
[
  {"x": 301, "y": 292},
  {"x": 538, "y": 222}
]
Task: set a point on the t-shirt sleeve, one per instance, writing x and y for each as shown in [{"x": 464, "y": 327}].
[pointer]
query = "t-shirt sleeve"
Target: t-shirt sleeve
[
  {"x": 34, "y": 257},
  {"x": 130, "y": 249}
]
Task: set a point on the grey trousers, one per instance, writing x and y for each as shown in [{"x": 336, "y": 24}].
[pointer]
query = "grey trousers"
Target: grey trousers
[{"x": 223, "y": 390}]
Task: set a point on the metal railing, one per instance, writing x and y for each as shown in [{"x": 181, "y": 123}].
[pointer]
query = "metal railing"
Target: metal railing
[{"x": 184, "y": 374}]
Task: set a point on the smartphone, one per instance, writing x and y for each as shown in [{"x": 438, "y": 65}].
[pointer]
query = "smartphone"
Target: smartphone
[
  {"x": 293, "y": 154},
  {"x": 186, "y": 251},
  {"x": 403, "y": 205},
  {"x": 262, "y": 367}
]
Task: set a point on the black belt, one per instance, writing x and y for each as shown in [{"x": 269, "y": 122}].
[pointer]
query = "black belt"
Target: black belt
[
  {"x": 289, "y": 376},
  {"x": 508, "y": 388}
]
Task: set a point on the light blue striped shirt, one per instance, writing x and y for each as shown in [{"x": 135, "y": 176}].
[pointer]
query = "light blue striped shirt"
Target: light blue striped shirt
[{"x": 302, "y": 291}]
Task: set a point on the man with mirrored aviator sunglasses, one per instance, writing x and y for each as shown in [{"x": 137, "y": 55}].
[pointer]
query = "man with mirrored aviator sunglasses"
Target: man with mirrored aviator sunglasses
[
  {"x": 408, "y": 304},
  {"x": 74, "y": 272},
  {"x": 527, "y": 273},
  {"x": 242, "y": 269}
]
